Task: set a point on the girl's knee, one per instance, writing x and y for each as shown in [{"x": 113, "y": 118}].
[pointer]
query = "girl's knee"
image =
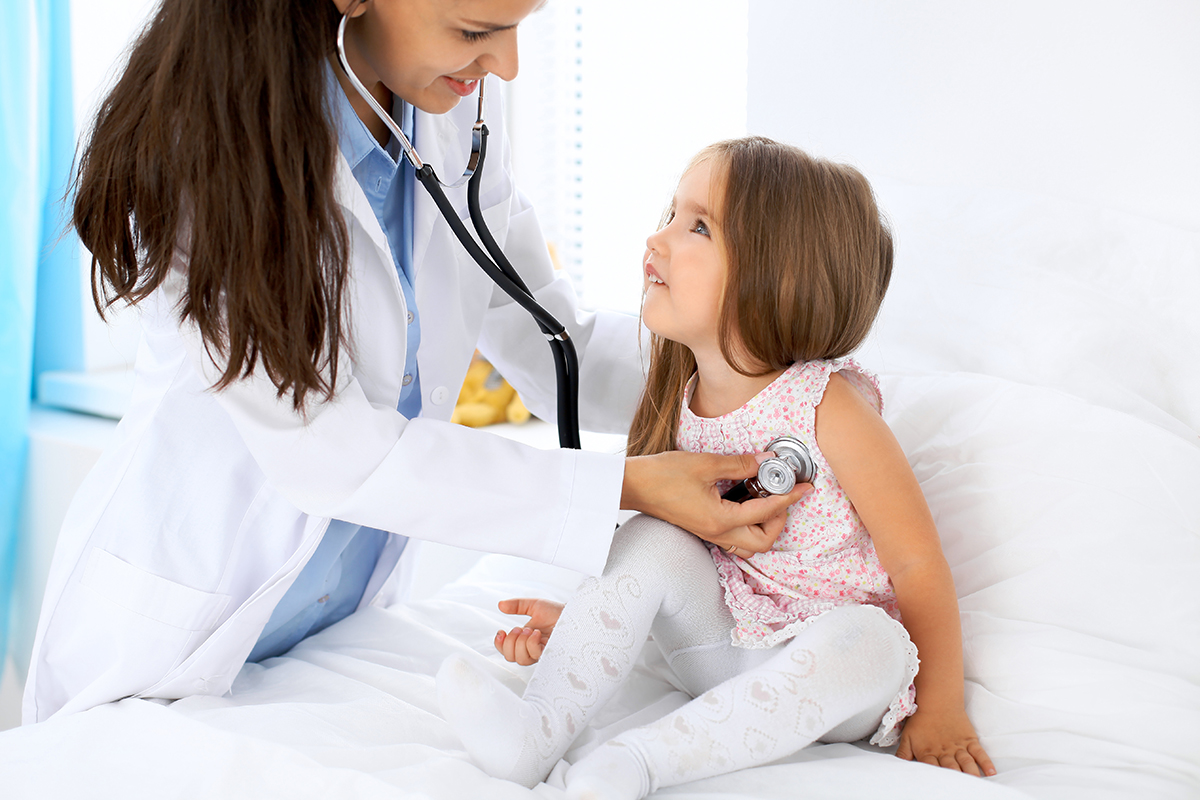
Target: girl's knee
[
  {"x": 648, "y": 539},
  {"x": 869, "y": 637}
]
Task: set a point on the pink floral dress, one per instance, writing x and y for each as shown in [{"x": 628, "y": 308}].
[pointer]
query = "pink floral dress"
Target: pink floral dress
[{"x": 824, "y": 558}]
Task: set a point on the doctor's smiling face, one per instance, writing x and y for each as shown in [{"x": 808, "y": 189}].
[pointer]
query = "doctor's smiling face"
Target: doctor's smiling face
[
  {"x": 431, "y": 53},
  {"x": 685, "y": 265}
]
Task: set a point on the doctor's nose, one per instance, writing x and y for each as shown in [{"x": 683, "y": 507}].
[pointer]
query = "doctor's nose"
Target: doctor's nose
[{"x": 502, "y": 60}]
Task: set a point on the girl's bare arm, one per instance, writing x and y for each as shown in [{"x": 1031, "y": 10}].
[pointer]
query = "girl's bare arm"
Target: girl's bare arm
[{"x": 874, "y": 472}]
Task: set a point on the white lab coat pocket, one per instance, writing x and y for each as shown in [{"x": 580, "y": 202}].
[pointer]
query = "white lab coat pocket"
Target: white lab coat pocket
[{"x": 152, "y": 596}]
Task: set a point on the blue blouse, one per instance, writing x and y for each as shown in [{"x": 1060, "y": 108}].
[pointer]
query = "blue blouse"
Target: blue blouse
[{"x": 332, "y": 583}]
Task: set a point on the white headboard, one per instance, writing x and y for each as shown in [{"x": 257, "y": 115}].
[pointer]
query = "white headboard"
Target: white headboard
[{"x": 1041, "y": 165}]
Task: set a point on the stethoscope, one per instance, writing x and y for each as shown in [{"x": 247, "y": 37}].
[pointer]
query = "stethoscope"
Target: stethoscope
[
  {"x": 566, "y": 363},
  {"x": 791, "y": 464}
]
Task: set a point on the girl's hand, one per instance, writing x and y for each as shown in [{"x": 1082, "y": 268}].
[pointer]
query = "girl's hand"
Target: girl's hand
[
  {"x": 524, "y": 645},
  {"x": 946, "y": 740}
]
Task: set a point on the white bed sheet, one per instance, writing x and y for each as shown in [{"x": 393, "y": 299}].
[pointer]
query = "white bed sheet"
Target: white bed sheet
[{"x": 1072, "y": 530}]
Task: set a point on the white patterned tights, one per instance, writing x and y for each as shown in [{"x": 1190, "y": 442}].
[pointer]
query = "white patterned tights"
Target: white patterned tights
[{"x": 834, "y": 681}]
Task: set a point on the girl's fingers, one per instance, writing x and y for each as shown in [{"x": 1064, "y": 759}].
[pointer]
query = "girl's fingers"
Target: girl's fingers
[
  {"x": 504, "y": 643},
  {"x": 522, "y": 648},
  {"x": 533, "y": 646},
  {"x": 517, "y": 606},
  {"x": 520, "y": 645},
  {"x": 518, "y": 637},
  {"x": 981, "y": 758},
  {"x": 966, "y": 763},
  {"x": 508, "y": 647}
]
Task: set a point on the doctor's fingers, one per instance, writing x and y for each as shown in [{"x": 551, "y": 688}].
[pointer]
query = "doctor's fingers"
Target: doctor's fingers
[
  {"x": 750, "y": 539},
  {"x": 731, "y": 468},
  {"x": 753, "y": 526},
  {"x": 770, "y": 512}
]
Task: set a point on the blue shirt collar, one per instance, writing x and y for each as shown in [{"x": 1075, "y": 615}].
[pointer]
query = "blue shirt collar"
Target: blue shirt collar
[{"x": 354, "y": 140}]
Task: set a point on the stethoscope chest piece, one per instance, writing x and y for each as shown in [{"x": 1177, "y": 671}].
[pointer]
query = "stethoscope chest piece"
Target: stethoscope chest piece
[
  {"x": 791, "y": 464},
  {"x": 794, "y": 453}
]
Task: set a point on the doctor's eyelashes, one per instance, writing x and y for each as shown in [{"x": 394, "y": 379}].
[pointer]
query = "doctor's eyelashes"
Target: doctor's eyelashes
[{"x": 475, "y": 36}]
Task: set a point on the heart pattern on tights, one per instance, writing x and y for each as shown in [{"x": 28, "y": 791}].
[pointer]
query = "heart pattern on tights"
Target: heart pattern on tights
[
  {"x": 759, "y": 743},
  {"x": 610, "y": 622},
  {"x": 763, "y": 696}
]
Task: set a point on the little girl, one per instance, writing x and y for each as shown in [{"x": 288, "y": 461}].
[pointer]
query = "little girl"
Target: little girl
[{"x": 769, "y": 271}]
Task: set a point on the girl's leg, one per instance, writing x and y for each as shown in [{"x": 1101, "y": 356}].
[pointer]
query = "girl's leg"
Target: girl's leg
[
  {"x": 653, "y": 568},
  {"x": 838, "y": 674}
]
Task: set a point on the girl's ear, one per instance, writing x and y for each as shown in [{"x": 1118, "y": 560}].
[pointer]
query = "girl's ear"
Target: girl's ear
[{"x": 356, "y": 7}]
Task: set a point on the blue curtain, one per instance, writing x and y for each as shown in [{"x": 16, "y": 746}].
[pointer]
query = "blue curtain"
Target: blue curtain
[{"x": 40, "y": 297}]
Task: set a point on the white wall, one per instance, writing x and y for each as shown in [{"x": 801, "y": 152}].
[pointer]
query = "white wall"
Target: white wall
[
  {"x": 100, "y": 33},
  {"x": 660, "y": 81},
  {"x": 1039, "y": 162},
  {"x": 1094, "y": 100}
]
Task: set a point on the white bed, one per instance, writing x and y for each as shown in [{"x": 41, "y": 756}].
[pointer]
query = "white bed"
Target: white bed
[
  {"x": 1076, "y": 582},
  {"x": 1041, "y": 363}
]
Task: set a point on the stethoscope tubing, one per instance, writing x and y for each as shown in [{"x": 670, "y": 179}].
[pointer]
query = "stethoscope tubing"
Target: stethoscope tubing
[
  {"x": 566, "y": 361},
  {"x": 501, "y": 271}
]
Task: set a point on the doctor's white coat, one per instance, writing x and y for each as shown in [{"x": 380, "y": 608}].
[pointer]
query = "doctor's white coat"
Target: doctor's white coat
[{"x": 202, "y": 513}]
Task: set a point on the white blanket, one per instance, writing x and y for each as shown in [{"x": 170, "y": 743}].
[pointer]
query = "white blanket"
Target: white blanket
[{"x": 1072, "y": 530}]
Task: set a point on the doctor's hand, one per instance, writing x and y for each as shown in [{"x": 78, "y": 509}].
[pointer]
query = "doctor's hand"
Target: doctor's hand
[
  {"x": 681, "y": 488},
  {"x": 523, "y": 645}
]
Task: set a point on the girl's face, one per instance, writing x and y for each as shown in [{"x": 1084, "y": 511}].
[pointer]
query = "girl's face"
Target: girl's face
[
  {"x": 685, "y": 266},
  {"x": 432, "y": 53}
]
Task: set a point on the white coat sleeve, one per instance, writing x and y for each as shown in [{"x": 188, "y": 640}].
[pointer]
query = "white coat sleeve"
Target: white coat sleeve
[{"x": 354, "y": 460}]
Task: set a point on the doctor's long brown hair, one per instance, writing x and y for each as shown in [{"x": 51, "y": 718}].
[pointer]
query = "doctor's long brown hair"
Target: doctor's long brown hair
[
  {"x": 216, "y": 143},
  {"x": 809, "y": 260}
]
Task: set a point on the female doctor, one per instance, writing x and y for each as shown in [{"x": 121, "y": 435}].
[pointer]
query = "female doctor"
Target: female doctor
[{"x": 308, "y": 318}]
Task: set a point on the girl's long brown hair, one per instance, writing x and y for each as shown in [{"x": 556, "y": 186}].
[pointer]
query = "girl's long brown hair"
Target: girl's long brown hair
[
  {"x": 809, "y": 261},
  {"x": 217, "y": 145}
]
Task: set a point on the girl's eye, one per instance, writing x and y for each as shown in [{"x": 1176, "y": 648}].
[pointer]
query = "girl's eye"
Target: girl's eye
[
  {"x": 701, "y": 227},
  {"x": 475, "y": 36}
]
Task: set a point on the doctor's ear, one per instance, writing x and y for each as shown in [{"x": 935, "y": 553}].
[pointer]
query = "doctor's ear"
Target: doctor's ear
[{"x": 354, "y": 7}]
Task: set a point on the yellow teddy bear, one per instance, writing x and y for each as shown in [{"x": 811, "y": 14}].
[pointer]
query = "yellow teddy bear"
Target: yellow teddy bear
[{"x": 487, "y": 398}]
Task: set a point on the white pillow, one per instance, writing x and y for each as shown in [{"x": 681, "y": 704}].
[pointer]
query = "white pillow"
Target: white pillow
[
  {"x": 1073, "y": 532},
  {"x": 1098, "y": 302}
]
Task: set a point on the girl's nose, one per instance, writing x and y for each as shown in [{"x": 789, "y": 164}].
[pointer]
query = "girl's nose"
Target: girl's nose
[
  {"x": 502, "y": 59},
  {"x": 655, "y": 241}
]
